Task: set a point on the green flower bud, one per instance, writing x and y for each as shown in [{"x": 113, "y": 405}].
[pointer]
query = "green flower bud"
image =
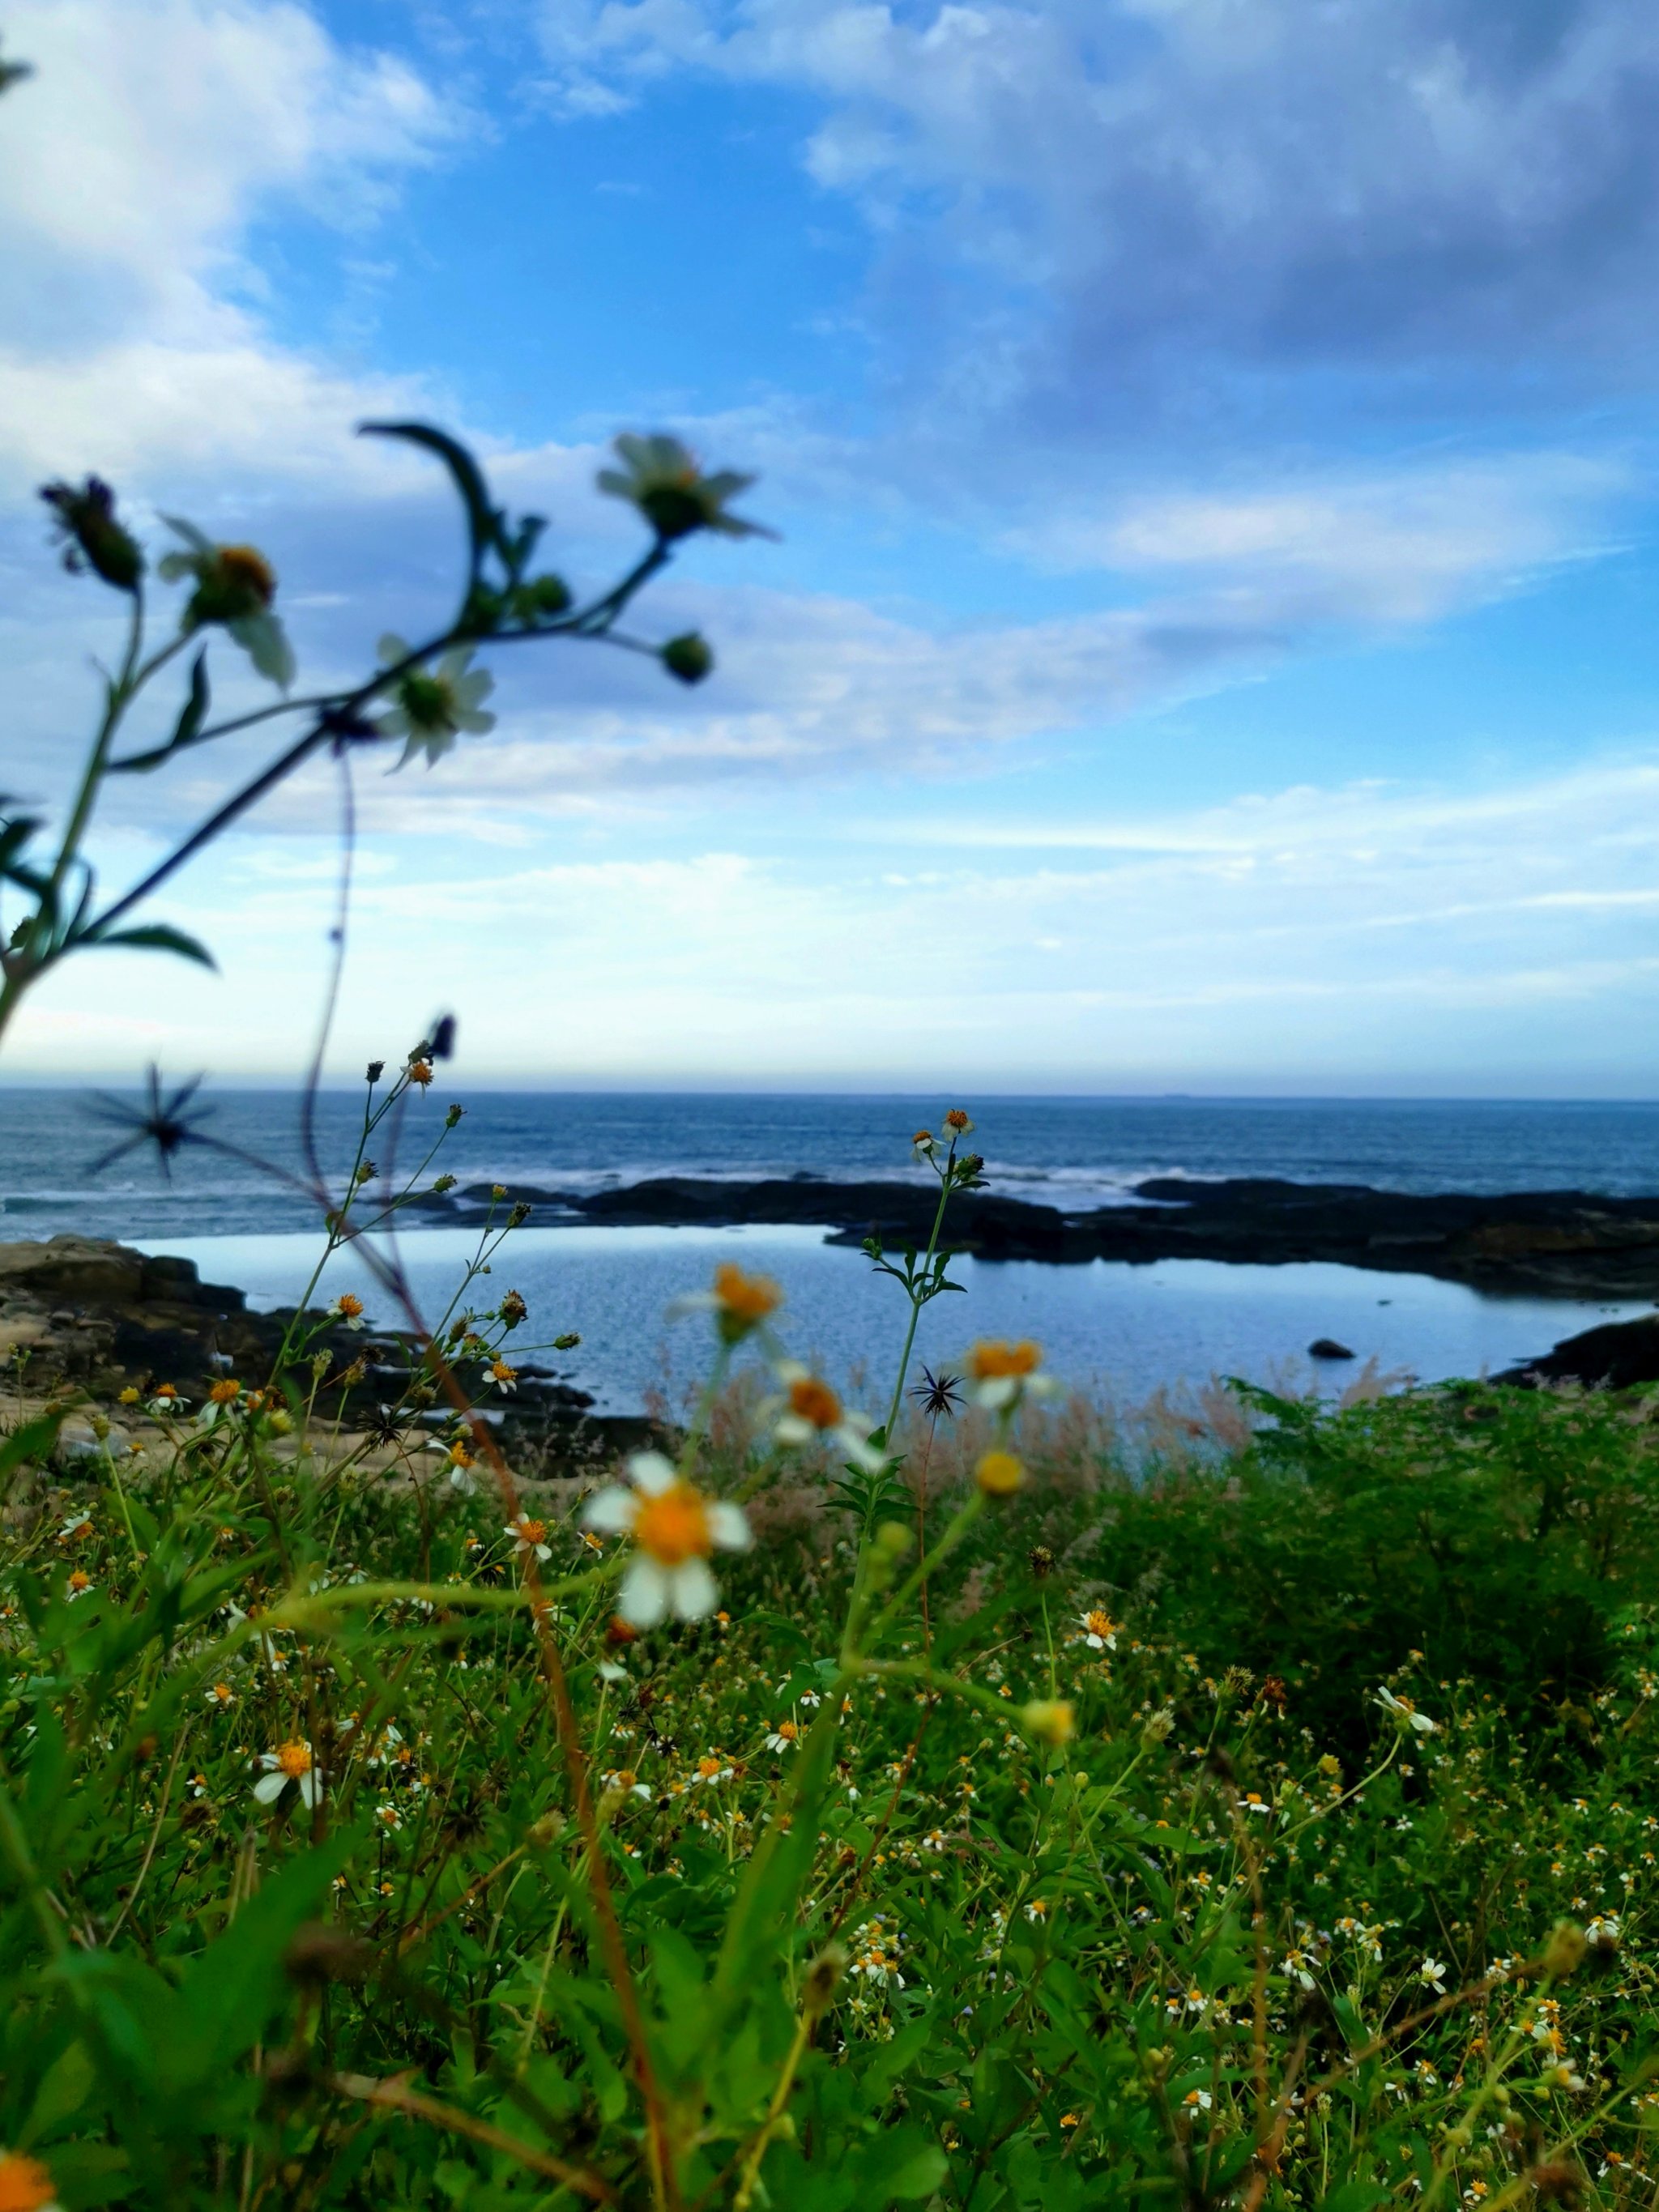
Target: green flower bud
[
  {"x": 91, "y": 536},
  {"x": 690, "y": 657}
]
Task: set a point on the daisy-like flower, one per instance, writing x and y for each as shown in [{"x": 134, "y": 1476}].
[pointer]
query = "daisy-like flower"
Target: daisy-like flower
[
  {"x": 1099, "y": 1630},
  {"x": 498, "y": 1376},
  {"x": 289, "y": 1762},
  {"x": 1432, "y": 1975},
  {"x": 348, "y": 1308},
  {"x": 1197, "y": 2101},
  {"x": 923, "y": 1145},
  {"x": 1405, "y": 1714},
  {"x": 432, "y": 706},
  {"x": 662, "y": 479},
  {"x": 626, "y": 1782},
  {"x": 165, "y": 1400},
  {"x": 811, "y": 1411},
  {"x": 529, "y": 1535},
  {"x": 711, "y": 1769},
  {"x": 738, "y": 1302},
  {"x": 234, "y": 586},
  {"x": 1002, "y": 1373},
  {"x": 956, "y": 1123},
  {"x": 675, "y": 1528},
  {"x": 219, "y": 1696},
  {"x": 77, "y": 1585},
  {"x": 999, "y": 1474},
  {"x": 24, "y": 2185},
  {"x": 77, "y": 1527},
  {"x": 784, "y": 1737},
  {"x": 1049, "y": 1720}
]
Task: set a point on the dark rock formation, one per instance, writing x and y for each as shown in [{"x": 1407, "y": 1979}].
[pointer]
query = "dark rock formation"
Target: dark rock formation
[
  {"x": 1541, "y": 1244},
  {"x": 1615, "y": 1356},
  {"x": 1326, "y": 1347}
]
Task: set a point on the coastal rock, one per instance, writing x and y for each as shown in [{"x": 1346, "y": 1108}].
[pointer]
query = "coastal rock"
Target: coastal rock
[
  {"x": 1616, "y": 1356},
  {"x": 1326, "y": 1347},
  {"x": 1547, "y": 1243}
]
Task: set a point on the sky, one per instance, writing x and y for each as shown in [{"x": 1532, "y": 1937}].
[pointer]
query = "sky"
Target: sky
[{"x": 1210, "y": 640}]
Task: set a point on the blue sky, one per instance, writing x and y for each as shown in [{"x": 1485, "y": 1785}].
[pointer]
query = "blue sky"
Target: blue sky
[{"x": 1211, "y": 641}]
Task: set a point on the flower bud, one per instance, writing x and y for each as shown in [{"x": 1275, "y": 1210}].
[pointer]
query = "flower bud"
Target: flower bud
[
  {"x": 1049, "y": 1720},
  {"x": 1159, "y": 1726},
  {"x": 822, "y": 1977},
  {"x": 689, "y": 657},
  {"x": 1564, "y": 1952},
  {"x": 999, "y": 1474},
  {"x": 92, "y": 537}
]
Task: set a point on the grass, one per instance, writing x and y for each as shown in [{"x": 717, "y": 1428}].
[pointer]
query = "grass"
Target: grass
[{"x": 1081, "y": 1846}]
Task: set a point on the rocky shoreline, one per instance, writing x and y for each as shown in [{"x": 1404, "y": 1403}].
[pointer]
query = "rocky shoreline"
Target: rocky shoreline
[
  {"x": 84, "y": 1317},
  {"x": 1532, "y": 1243}
]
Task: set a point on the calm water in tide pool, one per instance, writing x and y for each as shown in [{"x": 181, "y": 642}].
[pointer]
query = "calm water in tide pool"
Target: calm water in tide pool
[{"x": 1125, "y": 1329}]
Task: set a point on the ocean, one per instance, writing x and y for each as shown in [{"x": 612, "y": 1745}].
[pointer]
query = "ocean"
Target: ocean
[{"x": 1126, "y": 1331}]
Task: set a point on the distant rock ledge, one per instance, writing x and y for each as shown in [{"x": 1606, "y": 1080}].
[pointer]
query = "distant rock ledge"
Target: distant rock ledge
[{"x": 1534, "y": 1243}]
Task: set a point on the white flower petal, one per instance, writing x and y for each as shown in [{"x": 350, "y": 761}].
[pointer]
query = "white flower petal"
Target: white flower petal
[
  {"x": 610, "y": 1511},
  {"x": 997, "y": 1391},
  {"x": 692, "y": 1588},
  {"x": 649, "y": 1472},
  {"x": 310, "y": 1788},
  {"x": 643, "y": 1598},
  {"x": 729, "y": 1525},
  {"x": 794, "y": 1428},
  {"x": 269, "y": 1788},
  {"x": 861, "y": 1454}
]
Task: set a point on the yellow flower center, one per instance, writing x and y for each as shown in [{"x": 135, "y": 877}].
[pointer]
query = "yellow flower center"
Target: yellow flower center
[
  {"x": 421, "y": 1073},
  {"x": 992, "y": 1358},
  {"x": 225, "y": 1393},
  {"x": 814, "y": 1402},
  {"x": 530, "y": 1532},
  {"x": 78, "y": 1580},
  {"x": 787, "y": 1731},
  {"x": 294, "y": 1759},
  {"x": 709, "y": 1768},
  {"x": 1100, "y": 1624},
  {"x": 25, "y": 2184},
  {"x": 351, "y": 1306},
  {"x": 999, "y": 1475},
  {"x": 221, "y": 1692},
  {"x": 673, "y": 1526},
  {"x": 957, "y": 1121},
  {"x": 501, "y": 1371}
]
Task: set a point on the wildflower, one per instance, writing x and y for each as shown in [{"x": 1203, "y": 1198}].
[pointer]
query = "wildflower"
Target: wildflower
[
  {"x": 512, "y": 1310},
  {"x": 530, "y": 1536},
  {"x": 1003, "y": 1372},
  {"x": 77, "y": 1585},
  {"x": 234, "y": 586},
  {"x": 1049, "y": 1720},
  {"x": 999, "y": 1474},
  {"x": 674, "y": 1527},
  {"x": 77, "y": 1526},
  {"x": 24, "y": 2185},
  {"x": 814, "y": 1411},
  {"x": 663, "y": 480},
  {"x": 1253, "y": 1801},
  {"x": 923, "y": 1145},
  {"x": 1099, "y": 1630},
  {"x": 1432, "y": 1975},
  {"x": 627, "y": 1783},
  {"x": 348, "y": 1308},
  {"x": 1405, "y": 1713},
  {"x": 129, "y": 1396},
  {"x": 500, "y": 1376},
  {"x": 225, "y": 1393},
  {"x": 289, "y": 1762},
  {"x": 710, "y": 1769},
  {"x": 1197, "y": 2101},
  {"x": 432, "y": 706},
  {"x": 90, "y": 535},
  {"x": 221, "y": 1695},
  {"x": 957, "y": 1123},
  {"x": 784, "y": 1737},
  {"x": 740, "y": 1302},
  {"x": 1037, "y": 1909}
]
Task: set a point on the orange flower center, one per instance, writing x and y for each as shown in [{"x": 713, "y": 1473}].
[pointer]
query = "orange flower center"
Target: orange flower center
[
  {"x": 246, "y": 566},
  {"x": 992, "y": 1358},
  {"x": 814, "y": 1402},
  {"x": 787, "y": 1731},
  {"x": 225, "y": 1393},
  {"x": 349, "y": 1306},
  {"x": 709, "y": 1768},
  {"x": 532, "y": 1531},
  {"x": 673, "y": 1526},
  {"x": 1101, "y": 1624},
  {"x": 745, "y": 1298},
  {"x": 221, "y": 1692},
  {"x": 957, "y": 1120},
  {"x": 78, "y": 1580},
  {"x": 25, "y": 2184},
  {"x": 501, "y": 1371},
  {"x": 421, "y": 1073},
  {"x": 294, "y": 1759}
]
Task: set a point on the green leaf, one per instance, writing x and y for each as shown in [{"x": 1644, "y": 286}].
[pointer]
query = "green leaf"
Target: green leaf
[
  {"x": 903, "y": 2166},
  {"x": 158, "y": 937},
  {"x": 65, "y": 2089},
  {"x": 34, "y": 1441},
  {"x": 185, "y": 730},
  {"x": 483, "y": 523}
]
